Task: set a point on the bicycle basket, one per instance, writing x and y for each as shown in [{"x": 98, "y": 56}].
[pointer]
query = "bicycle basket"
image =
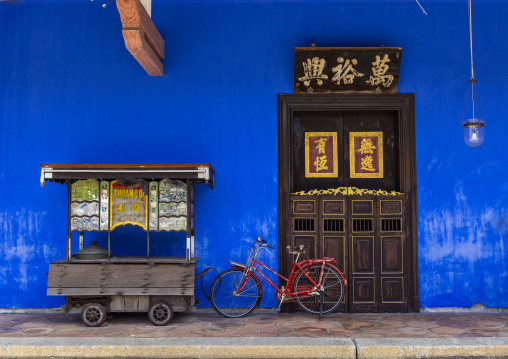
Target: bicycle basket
[{"x": 250, "y": 257}]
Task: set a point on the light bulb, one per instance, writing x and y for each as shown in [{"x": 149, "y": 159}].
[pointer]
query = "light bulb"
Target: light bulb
[{"x": 473, "y": 132}]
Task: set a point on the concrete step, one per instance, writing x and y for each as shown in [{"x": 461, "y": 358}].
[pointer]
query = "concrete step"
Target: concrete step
[{"x": 254, "y": 347}]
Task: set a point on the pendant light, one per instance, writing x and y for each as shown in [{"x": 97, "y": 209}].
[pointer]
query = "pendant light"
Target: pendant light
[{"x": 473, "y": 127}]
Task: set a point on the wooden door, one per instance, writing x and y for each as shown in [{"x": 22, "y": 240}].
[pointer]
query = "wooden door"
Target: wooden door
[{"x": 372, "y": 231}]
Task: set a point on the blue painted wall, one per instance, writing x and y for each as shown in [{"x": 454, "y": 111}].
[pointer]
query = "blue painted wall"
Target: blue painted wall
[{"x": 71, "y": 93}]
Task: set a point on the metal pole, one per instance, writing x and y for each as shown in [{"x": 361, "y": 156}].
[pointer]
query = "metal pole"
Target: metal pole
[
  {"x": 147, "y": 245},
  {"x": 69, "y": 234}
]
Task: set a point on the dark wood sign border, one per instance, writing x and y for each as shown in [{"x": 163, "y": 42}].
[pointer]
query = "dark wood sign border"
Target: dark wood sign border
[{"x": 404, "y": 105}]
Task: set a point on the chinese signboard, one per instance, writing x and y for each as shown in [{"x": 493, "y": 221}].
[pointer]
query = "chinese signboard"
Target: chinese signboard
[
  {"x": 321, "y": 154},
  {"x": 355, "y": 69},
  {"x": 129, "y": 203},
  {"x": 366, "y": 154}
]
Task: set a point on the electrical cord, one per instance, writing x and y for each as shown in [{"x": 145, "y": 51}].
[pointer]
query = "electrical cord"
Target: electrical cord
[{"x": 200, "y": 275}]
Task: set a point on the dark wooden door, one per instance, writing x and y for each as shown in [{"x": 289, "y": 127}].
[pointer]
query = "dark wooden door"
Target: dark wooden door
[{"x": 372, "y": 234}]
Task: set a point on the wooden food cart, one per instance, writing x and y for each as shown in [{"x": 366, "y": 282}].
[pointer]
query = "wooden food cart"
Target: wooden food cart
[{"x": 101, "y": 198}]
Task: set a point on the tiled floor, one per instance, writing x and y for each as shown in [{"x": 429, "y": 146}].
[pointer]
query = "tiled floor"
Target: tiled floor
[{"x": 262, "y": 324}]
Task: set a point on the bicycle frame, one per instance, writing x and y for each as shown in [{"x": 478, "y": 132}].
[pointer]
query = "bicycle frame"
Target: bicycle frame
[
  {"x": 287, "y": 294},
  {"x": 290, "y": 281}
]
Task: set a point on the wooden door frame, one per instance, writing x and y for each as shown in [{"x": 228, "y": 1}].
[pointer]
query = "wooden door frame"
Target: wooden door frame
[{"x": 288, "y": 104}]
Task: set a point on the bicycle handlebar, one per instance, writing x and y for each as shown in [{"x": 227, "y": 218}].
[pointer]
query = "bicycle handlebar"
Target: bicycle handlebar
[{"x": 263, "y": 242}]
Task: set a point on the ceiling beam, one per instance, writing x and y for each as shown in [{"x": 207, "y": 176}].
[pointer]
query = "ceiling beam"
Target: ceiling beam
[{"x": 141, "y": 37}]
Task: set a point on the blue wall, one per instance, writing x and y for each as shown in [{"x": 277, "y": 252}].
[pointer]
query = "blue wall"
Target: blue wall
[{"x": 71, "y": 93}]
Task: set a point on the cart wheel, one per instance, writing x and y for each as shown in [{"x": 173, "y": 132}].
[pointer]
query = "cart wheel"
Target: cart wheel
[
  {"x": 93, "y": 314},
  {"x": 160, "y": 313}
]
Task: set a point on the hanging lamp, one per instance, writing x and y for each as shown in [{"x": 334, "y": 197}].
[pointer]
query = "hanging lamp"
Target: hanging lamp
[{"x": 474, "y": 126}]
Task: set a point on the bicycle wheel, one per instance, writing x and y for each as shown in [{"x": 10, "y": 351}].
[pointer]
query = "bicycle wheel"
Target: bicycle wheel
[
  {"x": 226, "y": 302},
  {"x": 333, "y": 286}
]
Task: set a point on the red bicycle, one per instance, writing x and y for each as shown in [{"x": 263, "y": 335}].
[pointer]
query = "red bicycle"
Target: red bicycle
[{"x": 315, "y": 284}]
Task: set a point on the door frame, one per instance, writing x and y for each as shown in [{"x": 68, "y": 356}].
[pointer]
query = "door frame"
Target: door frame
[{"x": 403, "y": 104}]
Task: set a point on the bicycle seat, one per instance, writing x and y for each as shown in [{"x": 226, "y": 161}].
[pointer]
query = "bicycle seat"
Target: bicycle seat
[{"x": 296, "y": 250}]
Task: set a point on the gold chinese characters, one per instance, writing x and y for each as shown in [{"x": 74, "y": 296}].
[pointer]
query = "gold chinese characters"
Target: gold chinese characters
[
  {"x": 353, "y": 71},
  {"x": 366, "y": 154},
  {"x": 313, "y": 70},
  {"x": 321, "y": 154},
  {"x": 379, "y": 70}
]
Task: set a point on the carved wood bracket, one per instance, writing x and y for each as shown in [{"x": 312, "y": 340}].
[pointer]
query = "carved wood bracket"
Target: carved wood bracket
[{"x": 141, "y": 37}]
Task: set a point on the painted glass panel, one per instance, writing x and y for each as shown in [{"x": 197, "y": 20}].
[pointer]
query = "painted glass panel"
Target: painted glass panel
[
  {"x": 173, "y": 224},
  {"x": 153, "y": 206},
  {"x": 129, "y": 203},
  {"x": 85, "y": 190},
  {"x": 173, "y": 209},
  {"x": 84, "y": 224},
  {"x": 104, "y": 206},
  {"x": 172, "y": 191},
  {"x": 84, "y": 209}
]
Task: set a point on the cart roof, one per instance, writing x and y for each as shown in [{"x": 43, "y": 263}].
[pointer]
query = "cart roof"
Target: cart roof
[{"x": 203, "y": 173}]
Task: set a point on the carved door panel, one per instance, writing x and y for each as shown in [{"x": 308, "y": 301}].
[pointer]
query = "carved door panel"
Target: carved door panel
[
  {"x": 333, "y": 230},
  {"x": 332, "y": 235},
  {"x": 318, "y": 223},
  {"x": 363, "y": 253},
  {"x": 393, "y": 266},
  {"x": 304, "y": 227}
]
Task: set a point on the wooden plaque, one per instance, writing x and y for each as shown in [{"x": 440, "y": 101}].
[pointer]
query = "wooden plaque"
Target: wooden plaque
[{"x": 347, "y": 69}]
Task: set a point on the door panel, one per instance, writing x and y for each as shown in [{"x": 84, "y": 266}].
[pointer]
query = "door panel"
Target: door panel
[
  {"x": 335, "y": 247},
  {"x": 392, "y": 289},
  {"x": 309, "y": 242},
  {"x": 333, "y": 207},
  {"x": 362, "y": 207},
  {"x": 364, "y": 292},
  {"x": 362, "y": 255},
  {"x": 304, "y": 207},
  {"x": 391, "y": 254}
]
